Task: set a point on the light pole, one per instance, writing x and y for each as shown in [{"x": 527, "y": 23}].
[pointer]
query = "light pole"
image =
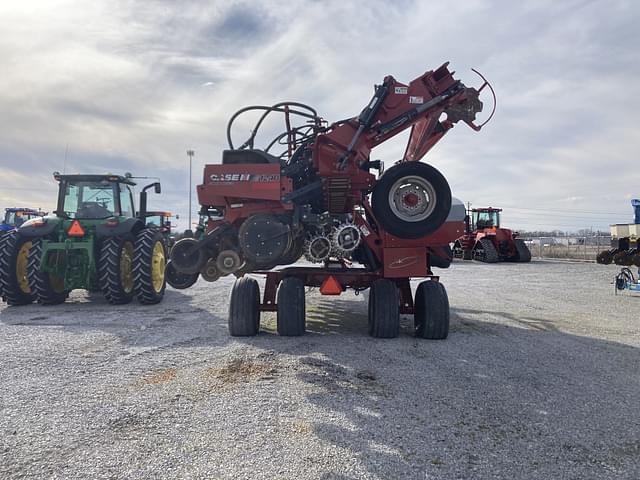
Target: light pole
[{"x": 190, "y": 153}]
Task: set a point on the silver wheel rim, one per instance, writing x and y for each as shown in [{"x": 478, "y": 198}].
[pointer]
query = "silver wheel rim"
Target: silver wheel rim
[{"x": 412, "y": 199}]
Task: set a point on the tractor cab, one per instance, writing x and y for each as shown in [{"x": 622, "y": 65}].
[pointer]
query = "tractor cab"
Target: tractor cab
[
  {"x": 161, "y": 220},
  {"x": 482, "y": 218},
  {"x": 95, "y": 197}
]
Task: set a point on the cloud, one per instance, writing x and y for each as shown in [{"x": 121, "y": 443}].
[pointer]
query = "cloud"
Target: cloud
[{"x": 130, "y": 86}]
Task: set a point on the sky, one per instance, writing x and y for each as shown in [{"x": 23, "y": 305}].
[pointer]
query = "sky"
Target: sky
[{"x": 124, "y": 86}]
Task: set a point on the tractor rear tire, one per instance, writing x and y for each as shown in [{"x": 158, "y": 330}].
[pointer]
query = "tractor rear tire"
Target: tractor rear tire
[
  {"x": 384, "y": 309},
  {"x": 115, "y": 272},
  {"x": 14, "y": 282},
  {"x": 244, "y": 308},
  {"x": 178, "y": 280},
  {"x": 524, "y": 254},
  {"x": 48, "y": 289},
  {"x": 3, "y": 236},
  {"x": 487, "y": 252},
  {"x": 291, "y": 307},
  {"x": 418, "y": 212},
  {"x": 431, "y": 311},
  {"x": 149, "y": 266}
]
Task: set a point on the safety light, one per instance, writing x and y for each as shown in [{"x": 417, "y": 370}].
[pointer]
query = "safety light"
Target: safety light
[
  {"x": 331, "y": 286},
  {"x": 112, "y": 222},
  {"x": 75, "y": 230}
]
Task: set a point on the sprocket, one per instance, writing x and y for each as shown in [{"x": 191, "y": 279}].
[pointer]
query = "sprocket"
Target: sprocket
[
  {"x": 345, "y": 238},
  {"x": 317, "y": 249}
]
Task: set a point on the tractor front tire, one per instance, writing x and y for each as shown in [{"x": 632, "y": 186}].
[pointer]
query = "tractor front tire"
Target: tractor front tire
[
  {"x": 486, "y": 252},
  {"x": 115, "y": 269},
  {"x": 244, "y": 308},
  {"x": 291, "y": 308},
  {"x": 524, "y": 254},
  {"x": 384, "y": 309},
  {"x": 14, "y": 257},
  {"x": 48, "y": 289},
  {"x": 411, "y": 200},
  {"x": 149, "y": 266},
  {"x": 431, "y": 311}
]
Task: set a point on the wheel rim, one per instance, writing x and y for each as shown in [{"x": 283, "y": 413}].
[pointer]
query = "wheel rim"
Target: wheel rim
[
  {"x": 21, "y": 267},
  {"x": 158, "y": 264},
  {"x": 412, "y": 199},
  {"x": 126, "y": 260}
]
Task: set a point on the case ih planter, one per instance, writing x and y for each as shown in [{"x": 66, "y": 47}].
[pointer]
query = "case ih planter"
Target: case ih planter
[{"x": 311, "y": 192}]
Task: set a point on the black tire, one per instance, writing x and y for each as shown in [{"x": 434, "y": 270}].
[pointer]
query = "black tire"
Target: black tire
[
  {"x": 47, "y": 289},
  {"x": 149, "y": 266},
  {"x": 384, "y": 309},
  {"x": 291, "y": 307},
  {"x": 3, "y": 235},
  {"x": 524, "y": 254},
  {"x": 116, "y": 284},
  {"x": 15, "y": 291},
  {"x": 431, "y": 311},
  {"x": 244, "y": 308},
  {"x": 605, "y": 257},
  {"x": 185, "y": 262},
  {"x": 178, "y": 280},
  {"x": 485, "y": 251},
  {"x": 425, "y": 222}
]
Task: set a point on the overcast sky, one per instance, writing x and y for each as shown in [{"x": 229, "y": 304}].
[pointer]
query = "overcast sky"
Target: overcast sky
[{"x": 130, "y": 86}]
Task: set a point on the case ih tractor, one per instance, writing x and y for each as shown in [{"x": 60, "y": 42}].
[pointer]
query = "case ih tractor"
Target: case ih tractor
[
  {"x": 486, "y": 241},
  {"x": 94, "y": 241},
  {"x": 312, "y": 191}
]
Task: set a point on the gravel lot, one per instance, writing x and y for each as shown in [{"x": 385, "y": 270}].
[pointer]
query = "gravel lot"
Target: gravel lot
[{"x": 539, "y": 379}]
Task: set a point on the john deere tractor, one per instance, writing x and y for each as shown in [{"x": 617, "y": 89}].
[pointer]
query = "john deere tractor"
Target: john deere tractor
[{"x": 93, "y": 241}]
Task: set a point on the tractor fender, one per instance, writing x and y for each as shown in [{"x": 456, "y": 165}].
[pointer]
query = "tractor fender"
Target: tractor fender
[
  {"x": 28, "y": 230},
  {"x": 130, "y": 225}
]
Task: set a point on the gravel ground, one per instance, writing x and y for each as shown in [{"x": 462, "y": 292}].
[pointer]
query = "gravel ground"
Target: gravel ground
[{"x": 539, "y": 379}]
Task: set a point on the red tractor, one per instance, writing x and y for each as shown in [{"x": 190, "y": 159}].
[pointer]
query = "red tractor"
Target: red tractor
[
  {"x": 314, "y": 191},
  {"x": 486, "y": 241}
]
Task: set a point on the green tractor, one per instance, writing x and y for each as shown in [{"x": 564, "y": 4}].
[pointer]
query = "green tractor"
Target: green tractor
[{"x": 93, "y": 241}]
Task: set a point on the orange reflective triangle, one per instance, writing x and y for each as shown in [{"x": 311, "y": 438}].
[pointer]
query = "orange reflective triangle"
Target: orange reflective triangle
[
  {"x": 331, "y": 286},
  {"x": 75, "y": 230}
]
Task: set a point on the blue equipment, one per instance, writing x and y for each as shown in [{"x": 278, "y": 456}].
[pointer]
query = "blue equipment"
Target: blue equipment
[
  {"x": 14, "y": 217},
  {"x": 625, "y": 280},
  {"x": 635, "y": 203}
]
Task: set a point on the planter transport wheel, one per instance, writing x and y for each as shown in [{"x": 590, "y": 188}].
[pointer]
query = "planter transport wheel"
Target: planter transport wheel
[
  {"x": 384, "y": 309},
  {"x": 244, "y": 308},
  {"x": 291, "y": 307},
  {"x": 431, "y": 307}
]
